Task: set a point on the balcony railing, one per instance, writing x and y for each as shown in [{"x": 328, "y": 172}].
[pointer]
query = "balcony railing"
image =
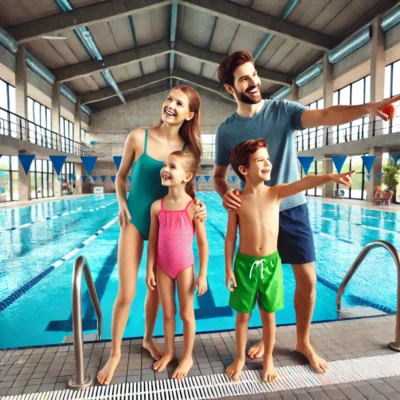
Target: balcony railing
[{"x": 20, "y": 128}]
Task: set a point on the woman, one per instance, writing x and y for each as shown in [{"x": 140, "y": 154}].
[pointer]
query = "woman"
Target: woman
[{"x": 145, "y": 151}]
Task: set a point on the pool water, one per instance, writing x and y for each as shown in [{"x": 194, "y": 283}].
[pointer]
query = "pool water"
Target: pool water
[{"x": 39, "y": 245}]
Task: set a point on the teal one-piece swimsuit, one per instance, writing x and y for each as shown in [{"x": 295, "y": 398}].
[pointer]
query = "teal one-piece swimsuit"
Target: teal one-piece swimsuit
[{"x": 146, "y": 188}]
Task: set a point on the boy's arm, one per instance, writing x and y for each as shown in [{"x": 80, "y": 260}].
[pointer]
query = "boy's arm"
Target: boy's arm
[
  {"x": 152, "y": 245},
  {"x": 202, "y": 244},
  {"x": 312, "y": 181},
  {"x": 230, "y": 243}
]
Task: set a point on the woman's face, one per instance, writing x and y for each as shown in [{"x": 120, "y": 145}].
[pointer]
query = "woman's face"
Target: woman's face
[{"x": 176, "y": 108}]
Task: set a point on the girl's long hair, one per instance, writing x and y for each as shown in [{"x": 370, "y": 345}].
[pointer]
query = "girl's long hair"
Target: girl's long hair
[
  {"x": 190, "y": 130},
  {"x": 191, "y": 164}
]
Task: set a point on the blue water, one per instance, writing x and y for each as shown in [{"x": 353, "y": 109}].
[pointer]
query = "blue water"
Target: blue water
[{"x": 42, "y": 314}]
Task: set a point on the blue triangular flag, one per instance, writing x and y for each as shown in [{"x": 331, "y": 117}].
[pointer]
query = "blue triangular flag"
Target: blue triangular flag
[
  {"x": 84, "y": 177},
  {"x": 198, "y": 178},
  {"x": 378, "y": 176},
  {"x": 94, "y": 177},
  {"x": 103, "y": 178},
  {"x": 339, "y": 162},
  {"x": 112, "y": 178},
  {"x": 129, "y": 178},
  {"x": 306, "y": 162},
  {"x": 117, "y": 160},
  {"x": 26, "y": 161},
  {"x": 368, "y": 162},
  {"x": 396, "y": 158},
  {"x": 207, "y": 177},
  {"x": 368, "y": 176},
  {"x": 58, "y": 163},
  {"x": 233, "y": 177},
  {"x": 88, "y": 163}
]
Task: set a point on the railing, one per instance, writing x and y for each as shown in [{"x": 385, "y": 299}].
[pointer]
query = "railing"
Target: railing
[
  {"x": 81, "y": 380},
  {"x": 325, "y": 136},
  {"x": 363, "y": 253},
  {"x": 20, "y": 128}
]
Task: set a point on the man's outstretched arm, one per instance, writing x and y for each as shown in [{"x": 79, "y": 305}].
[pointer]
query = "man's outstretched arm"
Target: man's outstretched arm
[{"x": 338, "y": 115}]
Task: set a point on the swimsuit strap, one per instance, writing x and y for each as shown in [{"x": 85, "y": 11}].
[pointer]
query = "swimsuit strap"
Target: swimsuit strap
[
  {"x": 188, "y": 204},
  {"x": 184, "y": 147},
  {"x": 145, "y": 141}
]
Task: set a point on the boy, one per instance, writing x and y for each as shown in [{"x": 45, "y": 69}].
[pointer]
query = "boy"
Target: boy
[{"x": 258, "y": 268}]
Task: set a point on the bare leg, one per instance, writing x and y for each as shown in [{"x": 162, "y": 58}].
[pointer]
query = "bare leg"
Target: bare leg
[
  {"x": 166, "y": 288},
  {"x": 186, "y": 293},
  {"x": 151, "y": 311},
  {"x": 269, "y": 371},
  {"x": 130, "y": 249},
  {"x": 304, "y": 301},
  {"x": 241, "y": 330}
]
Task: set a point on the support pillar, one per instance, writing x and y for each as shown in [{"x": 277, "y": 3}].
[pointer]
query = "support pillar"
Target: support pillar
[
  {"x": 377, "y": 168},
  {"x": 328, "y": 97}
]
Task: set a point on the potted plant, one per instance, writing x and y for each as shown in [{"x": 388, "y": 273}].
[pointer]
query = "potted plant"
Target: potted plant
[{"x": 391, "y": 177}]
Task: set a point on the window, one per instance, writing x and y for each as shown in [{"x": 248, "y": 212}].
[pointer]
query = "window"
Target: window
[
  {"x": 7, "y": 103},
  {"x": 68, "y": 178},
  {"x": 316, "y": 168},
  {"x": 392, "y": 88},
  {"x": 312, "y": 137},
  {"x": 358, "y": 188},
  {"x": 208, "y": 142},
  {"x": 67, "y": 135},
  {"x": 42, "y": 179},
  {"x": 9, "y": 178},
  {"x": 40, "y": 131},
  {"x": 83, "y": 136}
]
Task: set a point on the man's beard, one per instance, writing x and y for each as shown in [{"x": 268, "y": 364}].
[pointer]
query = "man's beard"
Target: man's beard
[{"x": 247, "y": 100}]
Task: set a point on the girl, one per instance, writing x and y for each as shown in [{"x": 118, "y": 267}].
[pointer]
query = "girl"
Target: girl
[
  {"x": 147, "y": 149},
  {"x": 170, "y": 255}
]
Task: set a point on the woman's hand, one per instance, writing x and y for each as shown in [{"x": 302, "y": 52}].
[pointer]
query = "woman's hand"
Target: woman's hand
[
  {"x": 231, "y": 200},
  {"x": 201, "y": 210},
  {"x": 124, "y": 216},
  {"x": 201, "y": 283},
  {"x": 151, "y": 279}
]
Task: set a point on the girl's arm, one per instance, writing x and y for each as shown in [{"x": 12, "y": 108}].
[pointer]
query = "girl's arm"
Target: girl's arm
[
  {"x": 202, "y": 244},
  {"x": 230, "y": 244},
  {"x": 152, "y": 246}
]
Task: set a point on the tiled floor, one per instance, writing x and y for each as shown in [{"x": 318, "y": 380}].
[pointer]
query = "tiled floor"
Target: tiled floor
[{"x": 44, "y": 369}]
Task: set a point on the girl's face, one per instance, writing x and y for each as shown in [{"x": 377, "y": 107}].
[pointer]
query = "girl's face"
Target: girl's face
[
  {"x": 173, "y": 172},
  {"x": 176, "y": 108}
]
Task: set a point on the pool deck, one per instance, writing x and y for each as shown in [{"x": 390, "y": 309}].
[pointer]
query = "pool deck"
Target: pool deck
[{"x": 33, "y": 370}]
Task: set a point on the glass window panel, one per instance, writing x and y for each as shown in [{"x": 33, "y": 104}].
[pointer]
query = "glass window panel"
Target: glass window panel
[
  {"x": 388, "y": 79},
  {"x": 12, "y": 103},
  {"x": 39, "y": 189},
  {"x": 396, "y": 79},
  {"x": 15, "y": 193},
  {"x": 345, "y": 96},
  {"x": 3, "y": 95},
  {"x": 367, "y": 88},
  {"x": 6, "y": 185},
  {"x": 335, "y": 98},
  {"x": 33, "y": 185},
  {"x": 4, "y": 162},
  {"x": 14, "y": 163},
  {"x": 357, "y": 93},
  {"x": 30, "y": 109},
  {"x": 320, "y": 104}
]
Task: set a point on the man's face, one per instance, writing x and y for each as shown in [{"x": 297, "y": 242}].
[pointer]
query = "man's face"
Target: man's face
[{"x": 247, "y": 84}]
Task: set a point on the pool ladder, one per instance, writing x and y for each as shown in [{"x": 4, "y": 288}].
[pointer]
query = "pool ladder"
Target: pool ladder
[
  {"x": 81, "y": 380},
  {"x": 360, "y": 258}
]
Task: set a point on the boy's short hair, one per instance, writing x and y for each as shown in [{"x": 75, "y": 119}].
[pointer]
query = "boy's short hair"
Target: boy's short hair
[
  {"x": 230, "y": 63},
  {"x": 241, "y": 153}
]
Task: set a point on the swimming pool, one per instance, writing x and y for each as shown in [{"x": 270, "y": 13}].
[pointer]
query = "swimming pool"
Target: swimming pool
[{"x": 39, "y": 244}]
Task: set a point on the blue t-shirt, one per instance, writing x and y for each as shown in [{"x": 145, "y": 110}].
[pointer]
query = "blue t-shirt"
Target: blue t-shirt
[{"x": 276, "y": 123}]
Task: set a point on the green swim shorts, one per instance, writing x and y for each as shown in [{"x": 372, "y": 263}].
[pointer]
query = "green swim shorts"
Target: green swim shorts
[{"x": 257, "y": 278}]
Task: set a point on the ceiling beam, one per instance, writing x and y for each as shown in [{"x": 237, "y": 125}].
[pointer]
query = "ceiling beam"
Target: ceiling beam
[
  {"x": 114, "y": 102},
  {"x": 153, "y": 50},
  {"x": 140, "y": 53},
  {"x": 139, "y": 83},
  {"x": 83, "y": 16},
  {"x": 246, "y": 16}
]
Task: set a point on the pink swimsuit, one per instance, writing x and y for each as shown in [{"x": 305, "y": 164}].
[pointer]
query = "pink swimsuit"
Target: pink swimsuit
[{"x": 175, "y": 240}]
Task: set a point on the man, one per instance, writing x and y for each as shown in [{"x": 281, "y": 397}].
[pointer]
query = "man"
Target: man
[{"x": 276, "y": 121}]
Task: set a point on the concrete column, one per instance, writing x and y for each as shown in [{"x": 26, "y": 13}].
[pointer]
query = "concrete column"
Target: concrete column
[
  {"x": 377, "y": 167},
  {"x": 24, "y": 181},
  {"x": 328, "y": 189},
  {"x": 21, "y": 83},
  {"x": 294, "y": 92},
  {"x": 55, "y": 116},
  {"x": 78, "y": 174},
  {"x": 328, "y": 96},
  {"x": 77, "y": 122},
  {"x": 377, "y": 71},
  {"x": 57, "y": 186}
]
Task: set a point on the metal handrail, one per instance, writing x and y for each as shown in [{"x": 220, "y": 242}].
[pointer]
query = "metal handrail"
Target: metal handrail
[
  {"x": 81, "y": 380},
  {"x": 360, "y": 258}
]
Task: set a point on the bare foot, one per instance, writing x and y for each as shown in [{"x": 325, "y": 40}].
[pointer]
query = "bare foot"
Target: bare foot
[
  {"x": 235, "y": 369},
  {"x": 105, "y": 375},
  {"x": 155, "y": 351},
  {"x": 161, "y": 364},
  {"x": 183, "y": 368},
  {"x": 257, "y": 350},
  {"x": 319, "y": 364},
  {"x": 269, "y": 372}
]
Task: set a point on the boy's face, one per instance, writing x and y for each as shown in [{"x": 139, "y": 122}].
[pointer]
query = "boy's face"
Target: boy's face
[
  {"x": 259, "y": 166},
  {"x": 247, "y": 84}
]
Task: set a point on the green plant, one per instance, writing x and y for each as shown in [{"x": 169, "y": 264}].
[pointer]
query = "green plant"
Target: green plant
[{"x": 391, "y": 176}]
